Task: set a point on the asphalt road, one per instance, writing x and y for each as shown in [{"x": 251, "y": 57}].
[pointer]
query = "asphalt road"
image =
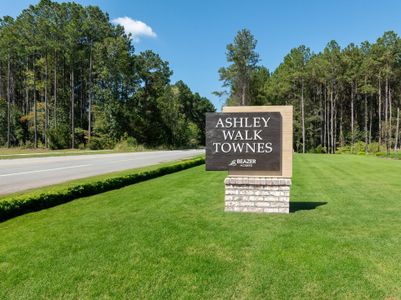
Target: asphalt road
[{"x": 27, "y": 173}]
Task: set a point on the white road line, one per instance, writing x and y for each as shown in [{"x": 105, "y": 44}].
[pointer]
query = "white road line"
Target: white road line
[{"x": 45, "y": 170}]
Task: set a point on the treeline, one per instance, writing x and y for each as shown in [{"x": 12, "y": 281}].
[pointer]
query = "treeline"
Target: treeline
[
  {"x": 346, "y": 98},
  {"x": 70, "y": 78}
]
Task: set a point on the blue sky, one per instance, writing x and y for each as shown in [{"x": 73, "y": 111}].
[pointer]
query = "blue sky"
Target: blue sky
[{"x": 192, "y": 35}]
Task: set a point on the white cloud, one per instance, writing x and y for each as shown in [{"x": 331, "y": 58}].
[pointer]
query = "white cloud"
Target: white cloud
[{"x": 136, "y": 28}]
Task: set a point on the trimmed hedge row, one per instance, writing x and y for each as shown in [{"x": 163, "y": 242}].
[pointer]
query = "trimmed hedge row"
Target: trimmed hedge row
[{"x": 12, "y": 207}]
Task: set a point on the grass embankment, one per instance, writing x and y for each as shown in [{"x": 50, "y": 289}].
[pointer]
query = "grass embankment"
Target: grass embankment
[{"x": 169, "y": 238}]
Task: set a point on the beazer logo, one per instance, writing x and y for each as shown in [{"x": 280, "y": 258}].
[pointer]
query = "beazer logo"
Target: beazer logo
[
  {"x": 233, "y": 163},
  {"x": 244, "y": 163}
]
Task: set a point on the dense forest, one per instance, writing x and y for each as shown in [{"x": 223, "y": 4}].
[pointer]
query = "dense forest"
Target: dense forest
[
  {"x": 69, "y": 78},
  {"x": 344, "y": 99}
]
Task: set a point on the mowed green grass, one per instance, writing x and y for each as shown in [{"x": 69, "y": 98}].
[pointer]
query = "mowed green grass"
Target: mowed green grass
[{"x": 169, "y": 238}]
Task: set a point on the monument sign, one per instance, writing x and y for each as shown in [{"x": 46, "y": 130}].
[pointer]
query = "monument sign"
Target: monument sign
[{"x": 254, "y": 143}]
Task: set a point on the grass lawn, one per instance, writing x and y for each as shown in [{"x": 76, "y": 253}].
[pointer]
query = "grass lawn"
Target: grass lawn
[{"x": 169, "y": 238}]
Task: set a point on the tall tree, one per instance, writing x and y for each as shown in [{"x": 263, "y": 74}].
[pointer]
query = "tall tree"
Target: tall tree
[
  {"x": 243, "y": 58},
  {"x": 7, "y": 36}
]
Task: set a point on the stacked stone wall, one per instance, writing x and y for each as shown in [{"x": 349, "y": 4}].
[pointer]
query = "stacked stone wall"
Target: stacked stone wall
[{"x": 257, "y": 194}]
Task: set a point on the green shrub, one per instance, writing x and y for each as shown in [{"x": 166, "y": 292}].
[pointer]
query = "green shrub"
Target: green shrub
[
  {"x": 193, "y": 135},
  {"x": 320, "y": 149},
  {"x": 28, "y": 145},
  {"x": 58, "y": 138},
  {"x": 358, "y": 147},
  {"x": 101, "y": 141},
  {"x": 127, "y": 143},
  {"x": 15, "y": 206},
  {"x": 373, "y": 147},
  {"x": 95, "y": 143},
  {"x": 395, "y": 155},
  {"x": 392, "y": 155},
  {"x": 343, "y": 150},
  {"x": 80, "y": 136}
]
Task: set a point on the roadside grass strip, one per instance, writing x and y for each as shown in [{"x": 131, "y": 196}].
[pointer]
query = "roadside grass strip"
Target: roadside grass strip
[{"x": 15, "y": 205}]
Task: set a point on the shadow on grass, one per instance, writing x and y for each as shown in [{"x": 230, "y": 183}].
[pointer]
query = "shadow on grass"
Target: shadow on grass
[{"x": 296, "y": 206}]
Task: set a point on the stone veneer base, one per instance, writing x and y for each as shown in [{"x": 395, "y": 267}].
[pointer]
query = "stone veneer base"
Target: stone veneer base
[{"x": 257, "y": 194}]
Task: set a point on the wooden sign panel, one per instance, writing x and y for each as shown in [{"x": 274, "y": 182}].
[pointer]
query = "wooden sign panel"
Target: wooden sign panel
[{"x": 244, "y": 141}]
